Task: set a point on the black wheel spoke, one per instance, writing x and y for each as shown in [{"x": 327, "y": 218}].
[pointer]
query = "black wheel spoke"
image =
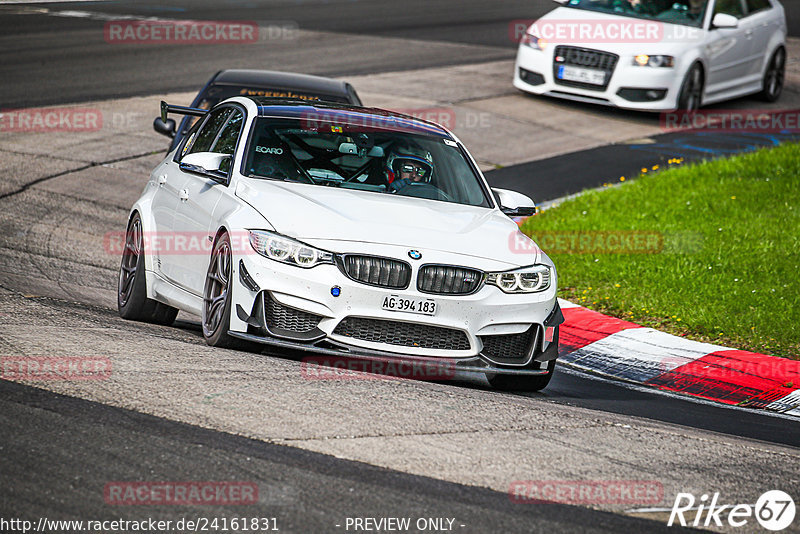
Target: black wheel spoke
[
  {"x": 216, "y": 278},
  {"x": 130, "y": 259},
  {"x": 217, "y": 317},
  {"x": 215, "y": 296},
  {"x": 126, "y": 285},
  {"x": 775, "y": 76},
  {"x": 214, "y": 307},
  {"x": 214, "y": 302},
  {"x": 691, "y": 95}
]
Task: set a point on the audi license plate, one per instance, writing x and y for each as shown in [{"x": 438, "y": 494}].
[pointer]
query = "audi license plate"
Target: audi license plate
[
  {"x": 409, "y": 305},
  {"x": 578, "y": 74}
]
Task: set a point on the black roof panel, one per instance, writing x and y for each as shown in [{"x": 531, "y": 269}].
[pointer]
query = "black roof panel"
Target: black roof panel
[
  {"x": 344, "y": 113},
  {"x": 281, "y": 80}
]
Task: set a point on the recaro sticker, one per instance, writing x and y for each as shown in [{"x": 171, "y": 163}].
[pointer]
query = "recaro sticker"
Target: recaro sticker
[{"x": 269, "y": 150}]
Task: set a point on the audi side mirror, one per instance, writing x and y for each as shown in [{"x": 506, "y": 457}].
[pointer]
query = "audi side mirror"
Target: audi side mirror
[{"x": 723, "y": 20}]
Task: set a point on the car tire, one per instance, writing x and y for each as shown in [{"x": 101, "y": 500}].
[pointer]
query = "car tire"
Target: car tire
[
  {"x": 132, "y": 301},
  {"x": 691, "y": 96},
  {"x": 216, "y": 315},
  {"x": 522, "y": 382},
  {"x": 774, "y": 76}
]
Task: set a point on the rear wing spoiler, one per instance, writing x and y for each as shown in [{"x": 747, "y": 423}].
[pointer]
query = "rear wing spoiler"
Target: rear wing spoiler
[{"x": 181, "y": 110}]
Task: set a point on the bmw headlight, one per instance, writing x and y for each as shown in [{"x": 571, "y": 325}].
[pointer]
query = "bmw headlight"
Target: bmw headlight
[
  {"x": 287, "y": 250},
  {"x": 643, "y": 60},
  {"x": 537, "y": 43},
  {"x": 532, "y": 279}
]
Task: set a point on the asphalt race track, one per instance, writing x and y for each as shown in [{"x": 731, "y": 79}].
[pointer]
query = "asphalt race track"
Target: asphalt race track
[{"x": 320, "y": 451}]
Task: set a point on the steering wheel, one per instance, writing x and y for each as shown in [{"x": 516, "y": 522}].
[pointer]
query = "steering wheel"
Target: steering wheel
[{"x": 423, "y": 190}]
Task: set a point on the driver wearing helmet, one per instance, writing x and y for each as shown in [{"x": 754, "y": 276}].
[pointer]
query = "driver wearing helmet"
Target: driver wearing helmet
[{"x": 406, "y": 165}]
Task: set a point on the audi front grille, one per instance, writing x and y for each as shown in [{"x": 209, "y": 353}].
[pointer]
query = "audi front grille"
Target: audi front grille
[{"x": 585, "y": 58}]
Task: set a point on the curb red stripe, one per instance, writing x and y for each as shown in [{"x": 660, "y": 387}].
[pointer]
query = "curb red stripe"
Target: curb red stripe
[
  {"x": 734, "y": 377},
  {"x": 583, "y": 326}
]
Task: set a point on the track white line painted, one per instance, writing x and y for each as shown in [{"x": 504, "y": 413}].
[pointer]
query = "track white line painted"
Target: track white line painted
[{"x": 566, "y": 367}]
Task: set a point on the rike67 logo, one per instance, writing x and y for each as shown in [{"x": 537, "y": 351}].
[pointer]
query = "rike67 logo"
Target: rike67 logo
[{"x": 774, "y": 510}]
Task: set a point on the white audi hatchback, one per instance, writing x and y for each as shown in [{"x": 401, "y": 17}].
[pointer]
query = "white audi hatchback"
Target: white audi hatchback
[
  {"x": 343, "y": 231},
  {"x": 655, "y": 55}
]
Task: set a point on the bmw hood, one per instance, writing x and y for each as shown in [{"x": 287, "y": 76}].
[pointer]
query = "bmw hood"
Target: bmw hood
[{"x": 314, "y": 213}]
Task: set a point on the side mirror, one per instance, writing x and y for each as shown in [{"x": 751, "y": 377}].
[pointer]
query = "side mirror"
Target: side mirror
[
  {"x": 209, "y": 164},
  {"x": 164, "y": 127},
  {"x": 723, "y": 20},
  {"x": 514, "y": 204}
]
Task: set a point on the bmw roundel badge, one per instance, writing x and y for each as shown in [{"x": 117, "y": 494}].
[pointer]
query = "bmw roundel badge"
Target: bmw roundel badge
[{"x": 414, "y": 254}]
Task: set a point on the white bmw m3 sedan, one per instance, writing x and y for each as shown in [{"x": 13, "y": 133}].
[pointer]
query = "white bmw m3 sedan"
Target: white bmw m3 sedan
[
  {"x": 655, "y": 55},
  {"x": 340, "y": 230}
]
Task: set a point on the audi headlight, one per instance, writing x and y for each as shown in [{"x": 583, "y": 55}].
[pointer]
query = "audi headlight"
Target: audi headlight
[
  {"x": 537, "y": 43},
  {"x": 532, "y": 279},
  {"x": 287, "y": 250},
  {"x": 643, "y": 60}
]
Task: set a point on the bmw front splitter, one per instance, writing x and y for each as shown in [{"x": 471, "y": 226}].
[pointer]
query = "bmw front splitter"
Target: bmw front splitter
[{"x": 473, "y": 364}]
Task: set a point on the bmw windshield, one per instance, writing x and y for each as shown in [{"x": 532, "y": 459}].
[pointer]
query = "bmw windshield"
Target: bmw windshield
[
  {"x": 685, "y": 12},
  {"x": 377, "y": 159}
]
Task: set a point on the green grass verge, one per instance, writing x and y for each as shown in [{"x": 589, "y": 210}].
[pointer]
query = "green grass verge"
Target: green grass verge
[{"x": 724, "y": 250}]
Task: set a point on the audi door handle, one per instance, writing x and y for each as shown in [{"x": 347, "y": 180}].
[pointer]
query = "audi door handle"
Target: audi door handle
[
  {"x": 162, "y": 180},
  {"x": 183, "y": 195}
]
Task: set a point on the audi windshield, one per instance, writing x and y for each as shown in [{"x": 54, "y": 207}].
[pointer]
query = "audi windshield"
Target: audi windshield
[{"x": 685, "y": 12}]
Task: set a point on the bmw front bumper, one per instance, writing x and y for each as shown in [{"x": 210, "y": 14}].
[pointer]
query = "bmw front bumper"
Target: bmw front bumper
[{"x": 290, "y": 307}]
